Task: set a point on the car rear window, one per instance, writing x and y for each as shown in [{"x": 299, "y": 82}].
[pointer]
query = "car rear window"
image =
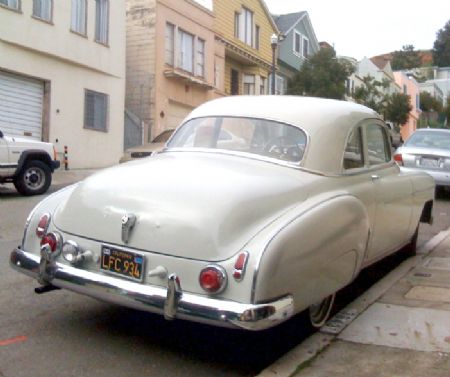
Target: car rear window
[
  {"x": 434, "y": 139},
  {"x": 248, "y": 135}
]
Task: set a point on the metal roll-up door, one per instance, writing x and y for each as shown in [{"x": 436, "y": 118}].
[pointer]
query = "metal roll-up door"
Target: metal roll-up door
[{"x": 21, "y": 105}]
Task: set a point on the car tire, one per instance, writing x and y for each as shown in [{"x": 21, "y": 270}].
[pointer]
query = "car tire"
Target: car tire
[
  {"x": 410, "y": 249},
  {"x": 34, "y": 179},
  {"x": 320, "y": 312}
]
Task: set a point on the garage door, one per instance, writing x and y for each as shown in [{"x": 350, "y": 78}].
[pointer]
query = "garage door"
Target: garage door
[
  {"x": 21, "y": 105},
  {"x": 176, "y": 112}
]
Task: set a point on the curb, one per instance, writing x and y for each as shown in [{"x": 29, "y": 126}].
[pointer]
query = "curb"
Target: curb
[{"x": 294, "y": 360}]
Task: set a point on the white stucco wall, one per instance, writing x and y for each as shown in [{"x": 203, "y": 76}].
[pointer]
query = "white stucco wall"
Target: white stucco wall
[{"x": 71, "y": 63}]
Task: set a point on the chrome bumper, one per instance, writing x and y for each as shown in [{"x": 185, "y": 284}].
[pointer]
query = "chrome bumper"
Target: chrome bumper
[{"x": 171, "y": 302}]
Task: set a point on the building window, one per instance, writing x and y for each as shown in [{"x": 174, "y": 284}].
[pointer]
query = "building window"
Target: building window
[
  {"x": 78, "y": 17},
  {"x": 257, "y": 36},
  {"x": 297, "y": 43},
  {"x": 95, "y": 110},
  {"x": 280, "y": 85},
  {"x": 170, "y": 44},
  {"x": 263, "y": 85},
  {"x": 305, "y": 42},
  {"x": 101, "y": 21},
  {"x": 186, "y": 51},
  {"x": 42, "y": 9},
  {"x": 243, "y": 27},
  {"x": 200, "y": 58},
  {"x": 249, "y": 84},
  {"x": 405, "y": 89},
  {"x": 14, "y": 4},
  {"x": 234, "y": 82}
]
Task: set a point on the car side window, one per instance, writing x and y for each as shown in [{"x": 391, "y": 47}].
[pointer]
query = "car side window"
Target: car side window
[
  {"x": 377, "y": 145},
  {"x": 353, "y": 155}
]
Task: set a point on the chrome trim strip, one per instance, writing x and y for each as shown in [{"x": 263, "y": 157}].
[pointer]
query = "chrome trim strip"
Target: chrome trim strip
[{"x": 224, "y": 313}]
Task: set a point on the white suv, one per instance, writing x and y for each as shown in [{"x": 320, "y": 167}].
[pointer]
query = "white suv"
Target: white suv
[{"x": 28, "y": 164}]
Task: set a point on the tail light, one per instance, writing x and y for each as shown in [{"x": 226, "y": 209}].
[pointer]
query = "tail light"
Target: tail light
[
  {"x": 43, "y": 224},
  {"x": 398, "y": 159},
  {"x": 213, "y": 279},
  {"x": 240, "y": 265},
  {"x": 55, "y": 154},
  {"x": 53, "y": 240}
]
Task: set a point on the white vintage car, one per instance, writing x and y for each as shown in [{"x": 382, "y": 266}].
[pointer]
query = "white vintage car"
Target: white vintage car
[{"x": 243, "y": 234}]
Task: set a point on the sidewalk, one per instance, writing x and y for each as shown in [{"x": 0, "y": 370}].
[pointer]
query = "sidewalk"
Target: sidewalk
[{"x": 399, "y": 327}]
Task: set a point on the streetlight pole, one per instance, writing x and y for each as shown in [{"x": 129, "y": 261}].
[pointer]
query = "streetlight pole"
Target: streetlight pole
[{"x": 274, "y": 43}]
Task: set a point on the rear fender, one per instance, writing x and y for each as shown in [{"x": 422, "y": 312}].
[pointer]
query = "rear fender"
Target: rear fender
[{"x": 314, "y": 253}]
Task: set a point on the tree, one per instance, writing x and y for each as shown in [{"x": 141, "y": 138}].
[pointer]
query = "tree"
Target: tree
[
  {"x": 373, "y": 94},
  {"x": 398, "y": 108},
  {"x": 429, "y": 103},
  {"x": 323, "y": 75},
  {"x": 407, "y": 58},
  {"x": 441, "y": 48}
]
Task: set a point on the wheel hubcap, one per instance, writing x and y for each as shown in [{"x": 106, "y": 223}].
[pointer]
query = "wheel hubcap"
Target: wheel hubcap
[{"x": 34, "y": 178}]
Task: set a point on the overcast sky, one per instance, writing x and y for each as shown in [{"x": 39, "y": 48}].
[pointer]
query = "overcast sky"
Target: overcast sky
[{"x": 360, "y": 28}]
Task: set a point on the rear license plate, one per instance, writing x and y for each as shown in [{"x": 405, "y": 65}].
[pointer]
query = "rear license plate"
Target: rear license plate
[
  {"x": 123, "y": 263},
  {"x": 429, "y": 162}
]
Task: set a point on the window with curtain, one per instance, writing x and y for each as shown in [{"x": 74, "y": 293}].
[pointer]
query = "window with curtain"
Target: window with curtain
[
  {"x": 42, "y": 9},
  {"x": 200, "y": 58},
  {"x": 170, "y": 44},
  {"x": 243, "y": 28},
  {"x": 95, "y": 110},
  {"x": 263, "y": 85},
  {"x": 186, "y": 51},
  {"x": 101, "y": 20},
  {"x": 78, "y": 16},
  {"x": 14, "y": 4},
  {"x": 249, "y": 84}
]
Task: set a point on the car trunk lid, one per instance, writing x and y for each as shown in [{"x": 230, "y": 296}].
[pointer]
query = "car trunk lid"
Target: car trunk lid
[{"x": 189, "y": 205}]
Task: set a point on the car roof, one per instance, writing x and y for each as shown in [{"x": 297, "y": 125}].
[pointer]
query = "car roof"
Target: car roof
[{"x": 326, "y": 122}]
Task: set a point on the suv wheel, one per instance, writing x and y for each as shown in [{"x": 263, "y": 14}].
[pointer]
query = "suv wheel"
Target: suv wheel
[{"x": 34, "y": 179}]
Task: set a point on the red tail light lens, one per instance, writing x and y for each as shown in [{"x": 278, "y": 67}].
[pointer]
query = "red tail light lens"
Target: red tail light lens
[
  {"x": 398, "y": 159},
  {"x": 239, "y": 266},
  {"x": 43, "y": 224},
  {"x": 53, "y": 240},
  {"x": 213, "y": 279}
]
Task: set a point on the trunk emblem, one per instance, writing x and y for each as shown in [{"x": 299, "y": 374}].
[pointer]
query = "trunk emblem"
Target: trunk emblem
[{"x": 128, "y": 221}]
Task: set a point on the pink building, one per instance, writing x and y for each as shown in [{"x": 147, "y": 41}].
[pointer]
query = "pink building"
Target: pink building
[{"x": 409, "y": 86}]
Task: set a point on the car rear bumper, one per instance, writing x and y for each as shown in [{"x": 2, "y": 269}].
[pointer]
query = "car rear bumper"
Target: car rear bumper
[
  {"x": 441, "y": 178},
  {"x": 170, "y": 302}
]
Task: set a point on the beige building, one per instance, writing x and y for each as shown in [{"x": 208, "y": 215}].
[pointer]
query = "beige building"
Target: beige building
[
  {"x": 62, "y": 76},
  {"x": 174, "y": 62}
]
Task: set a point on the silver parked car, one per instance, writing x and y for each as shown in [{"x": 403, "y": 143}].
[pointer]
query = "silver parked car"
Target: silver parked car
[
  {"x": 427, "y": 150},
  {"x": 240, "y": 231}
]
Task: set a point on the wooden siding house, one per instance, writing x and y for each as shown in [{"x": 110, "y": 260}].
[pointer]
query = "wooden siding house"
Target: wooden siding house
[
  {"x": 245, "y": 27},
  {"x": 297, "y": 43}
]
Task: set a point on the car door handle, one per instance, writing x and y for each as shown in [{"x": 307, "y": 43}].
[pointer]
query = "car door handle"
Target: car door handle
[{"x": 375, "y": 177}]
